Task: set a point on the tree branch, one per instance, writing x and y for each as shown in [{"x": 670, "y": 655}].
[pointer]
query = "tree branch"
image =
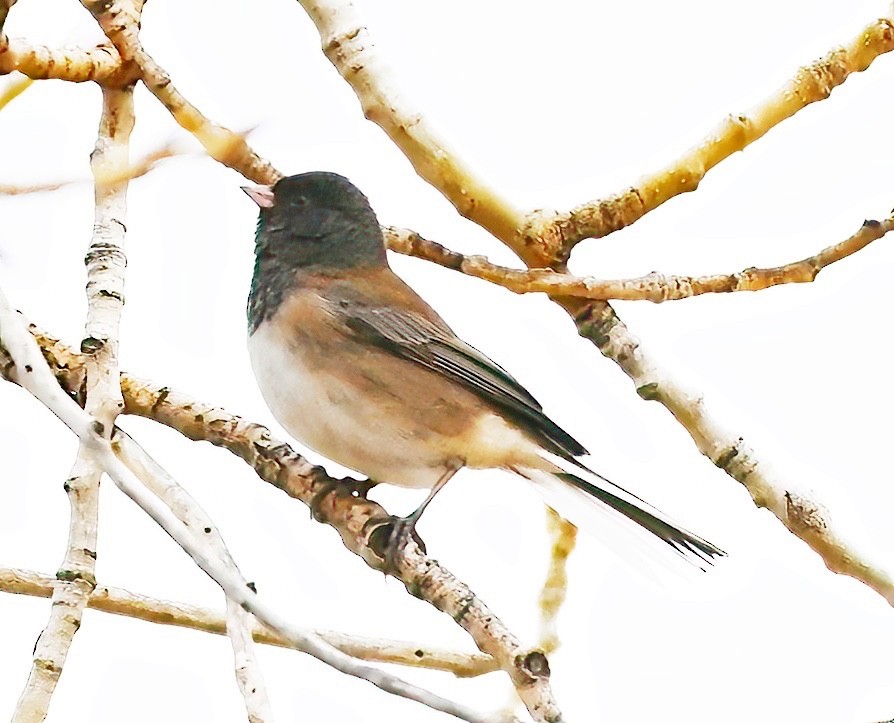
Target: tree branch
[
  {"x": 555, "y": 586},
  {"x": 140, "y": 607},
  {"x": 110, "y": 174},
  {"x": 347, "y": 44},
  {"x": 105, "y": 296},
  {"x": 544, "y": 239},
  {"x": 193, "y": 518},
  {"x": 654, "y": 287},
  {"x": 101, "y": 64},
  {"x": 222, "y": 144},
  {"x": 248, "y": 670},
  {"x": 558, "y": 233},
  {"x": 806, "y": 518}
]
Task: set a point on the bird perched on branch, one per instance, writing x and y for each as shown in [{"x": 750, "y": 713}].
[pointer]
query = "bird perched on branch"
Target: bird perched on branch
[{"x": 355, "y": 365}]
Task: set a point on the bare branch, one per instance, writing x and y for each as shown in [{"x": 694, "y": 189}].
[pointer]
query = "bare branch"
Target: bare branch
[
  {"x": 193, "y": 517},
  {"x": 128, "y": 604},
  {"x": 200, "y": 538},
  {"x": 545, "y": 239},
  {"x": 105, "y": 258},
  {"x": 78, "y": 580},
  {"x": 101, "y": 64},
  {"x": 105, "y": 297},
  {"x": 559, "y": 232},
  {"x": 555, "y": 586},
  {"x": 654, "y": 287},
  {"x": 347, "y": 44},
  {"x": 110, "y": 174},
  {"x": 806, "y": 518},
  {"x": 248, "y": 671},
  {"x": 222, "y": 144}
]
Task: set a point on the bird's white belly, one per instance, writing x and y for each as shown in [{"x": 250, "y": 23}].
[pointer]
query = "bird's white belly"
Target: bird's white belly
[{"x": 321, "y": 412}]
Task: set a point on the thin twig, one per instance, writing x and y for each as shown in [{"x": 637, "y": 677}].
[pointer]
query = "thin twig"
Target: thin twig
[
  {"x": 545, "y": 239},
  {"x": 109, "y": 175},
  {"x": 222, "y": 144},
  {"x": 555, "y": 586},
  {"x": 557, "y": 233},
  {"x": 105, "y": 297},
  {"x": 29, "y": 369},
  {"x": 77, "y": 581},
  {"x": 248, "y": 670},
  {"x": 188, "y": 511},
  {"x": 805, "y": 517},
  {"x": 347, "y": 44},
  {"x": 141, "y": 607},
  {"x": 654, "y": 287}
]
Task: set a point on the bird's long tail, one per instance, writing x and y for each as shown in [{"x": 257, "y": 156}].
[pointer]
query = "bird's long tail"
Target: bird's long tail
[{"x": 575, "y": 497}]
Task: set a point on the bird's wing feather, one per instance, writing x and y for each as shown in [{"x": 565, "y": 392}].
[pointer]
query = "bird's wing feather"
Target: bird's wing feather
[{"x": 423, "y": 338}]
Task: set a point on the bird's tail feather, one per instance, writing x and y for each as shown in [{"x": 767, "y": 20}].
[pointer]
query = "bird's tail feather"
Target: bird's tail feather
[{"x": 602, "y": 495}]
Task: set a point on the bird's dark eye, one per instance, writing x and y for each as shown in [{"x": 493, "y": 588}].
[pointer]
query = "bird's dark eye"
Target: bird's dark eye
[{"x": 301, "y": 201}]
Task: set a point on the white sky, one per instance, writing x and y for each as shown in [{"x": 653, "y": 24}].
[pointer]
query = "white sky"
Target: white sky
[{"x": 553, "y": 107}]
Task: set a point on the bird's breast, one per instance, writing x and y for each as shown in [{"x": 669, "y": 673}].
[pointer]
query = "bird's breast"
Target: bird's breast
[{"x": 333, "y": 397}]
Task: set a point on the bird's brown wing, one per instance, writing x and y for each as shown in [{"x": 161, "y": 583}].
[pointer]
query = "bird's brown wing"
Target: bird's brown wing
[{"x": 416, "y": 333}]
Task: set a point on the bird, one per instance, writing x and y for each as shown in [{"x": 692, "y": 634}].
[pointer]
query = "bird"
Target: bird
[{"x": 355, "y": 365}]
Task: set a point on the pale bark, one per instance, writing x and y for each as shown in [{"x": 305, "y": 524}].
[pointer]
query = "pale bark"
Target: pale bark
[{"x": 164, "y": 612}]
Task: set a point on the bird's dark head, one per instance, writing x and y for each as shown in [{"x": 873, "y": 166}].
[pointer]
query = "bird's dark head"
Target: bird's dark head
[
  {"x": 311, "y": 224},
  {"x": 317, "y": 221}
]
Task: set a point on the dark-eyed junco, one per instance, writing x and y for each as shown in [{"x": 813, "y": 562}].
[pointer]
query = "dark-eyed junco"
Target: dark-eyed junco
[{"x": 359, "y": 368}]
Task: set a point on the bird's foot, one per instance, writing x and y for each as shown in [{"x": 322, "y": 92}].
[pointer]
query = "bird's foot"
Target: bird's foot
[
  {"x": 388, "y": 536},
  {"x": 347, "y": 486}
]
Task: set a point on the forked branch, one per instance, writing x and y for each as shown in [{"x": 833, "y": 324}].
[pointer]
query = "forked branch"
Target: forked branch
[
  {"x": 653, "y": 287},
  {"x": 105, "y": 296},
  {"x": 558, "y": 233}
]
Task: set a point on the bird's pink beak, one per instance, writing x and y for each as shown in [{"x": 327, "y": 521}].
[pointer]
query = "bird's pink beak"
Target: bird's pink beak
[{"x": 261, "y": 195}]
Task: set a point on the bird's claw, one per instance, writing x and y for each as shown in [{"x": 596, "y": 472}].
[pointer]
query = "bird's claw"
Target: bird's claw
[{"x": 388, "y": 536}]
